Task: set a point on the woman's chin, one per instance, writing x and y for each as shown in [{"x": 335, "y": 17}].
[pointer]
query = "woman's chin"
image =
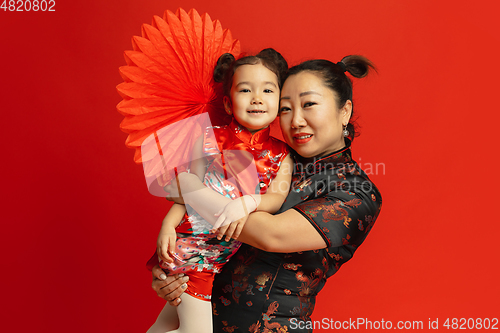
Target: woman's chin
[{"x": 303, "y": 151}]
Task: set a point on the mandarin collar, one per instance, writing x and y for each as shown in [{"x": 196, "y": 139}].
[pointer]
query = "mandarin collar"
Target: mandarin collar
[
  {"x": 339, "y": 157},
  {"x": 245, "y": 136}
]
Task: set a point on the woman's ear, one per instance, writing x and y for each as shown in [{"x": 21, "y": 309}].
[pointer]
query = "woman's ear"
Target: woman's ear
[
  {"x": 346, "y": 112},
  {"x": 227, "y": 105}
]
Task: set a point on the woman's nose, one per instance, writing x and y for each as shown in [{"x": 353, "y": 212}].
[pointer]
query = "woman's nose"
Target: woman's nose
[{"x": 298, "y": 120}]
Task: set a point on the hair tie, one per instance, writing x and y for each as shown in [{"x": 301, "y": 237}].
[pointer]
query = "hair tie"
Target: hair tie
[{"x": 342, "y": 66}]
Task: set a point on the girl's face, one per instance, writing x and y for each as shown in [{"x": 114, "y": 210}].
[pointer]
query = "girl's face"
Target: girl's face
[
  {"x": 254, "y": 97},
  {"x": 310, "y": 119}
]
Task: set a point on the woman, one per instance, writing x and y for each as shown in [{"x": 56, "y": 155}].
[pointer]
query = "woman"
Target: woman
[{"x": 271, "y": 283}]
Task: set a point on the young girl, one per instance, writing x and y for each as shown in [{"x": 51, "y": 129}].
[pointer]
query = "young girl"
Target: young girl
[{"x": 223, "y": 161}]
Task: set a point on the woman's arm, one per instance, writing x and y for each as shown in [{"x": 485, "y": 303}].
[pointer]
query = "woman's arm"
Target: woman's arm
[
  {"x": 339, "y": 218},
  {"x": 287, "y": 232}
]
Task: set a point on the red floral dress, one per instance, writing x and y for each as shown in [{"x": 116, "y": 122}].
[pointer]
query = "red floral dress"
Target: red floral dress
[
  {"x": 259, "y": 291},
  {"x": 239, "y": 163}
]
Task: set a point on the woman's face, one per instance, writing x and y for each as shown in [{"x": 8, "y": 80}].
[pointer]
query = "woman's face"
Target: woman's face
[{"x": 310, "y": 119}]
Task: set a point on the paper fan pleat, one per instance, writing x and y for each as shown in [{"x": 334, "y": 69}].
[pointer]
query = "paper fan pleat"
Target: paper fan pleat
[{"x": 168, "y": 78}]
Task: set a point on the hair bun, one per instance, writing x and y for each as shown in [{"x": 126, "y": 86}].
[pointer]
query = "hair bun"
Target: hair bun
[
  {"x": 358, "y": 66},
  {"x": 276, "y": 58}
]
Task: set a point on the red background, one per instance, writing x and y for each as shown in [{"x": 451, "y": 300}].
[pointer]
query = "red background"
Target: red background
[{"x": 78, "y": 222}]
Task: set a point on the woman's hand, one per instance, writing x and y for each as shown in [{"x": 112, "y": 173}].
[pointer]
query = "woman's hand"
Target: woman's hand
[
  {"x": 170, "y": 287},
  {"x": 232, "y": 218}
]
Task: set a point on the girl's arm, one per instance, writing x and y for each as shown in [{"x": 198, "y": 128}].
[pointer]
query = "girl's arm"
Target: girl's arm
[
  {"x": 273, "y": 233},
  {"x": 205, "y": 201},
  {"x": 199, "y": 162},
  {"x": 234, "y": 215},
  {"x": 167, "y": 236},
  {"x": 278, "y": 189}
]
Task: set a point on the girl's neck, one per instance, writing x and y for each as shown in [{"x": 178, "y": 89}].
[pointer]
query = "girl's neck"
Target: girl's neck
[{"x": 252, "y": 131}]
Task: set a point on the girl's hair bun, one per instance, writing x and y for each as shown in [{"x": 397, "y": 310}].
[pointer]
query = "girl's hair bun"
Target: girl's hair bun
[
  {"x": 275, "y": 61},
  {"x": 221, "y": 68},
  {"x": 227, "y": 65}
]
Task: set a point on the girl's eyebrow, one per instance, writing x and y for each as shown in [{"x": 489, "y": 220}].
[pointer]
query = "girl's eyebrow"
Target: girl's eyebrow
[
  {"x": 305, "y": 93},
  {"x": 267, "y": 82},
  {"x": 241, "y": 83},
  {"x": 271, "y": 83}
]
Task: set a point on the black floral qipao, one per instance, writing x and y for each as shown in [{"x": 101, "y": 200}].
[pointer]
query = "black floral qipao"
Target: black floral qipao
[{"x": 259, "y": 291}]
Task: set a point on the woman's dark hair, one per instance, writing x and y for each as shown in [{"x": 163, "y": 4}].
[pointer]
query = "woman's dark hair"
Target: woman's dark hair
[
  {"x": 334, "y": 77},
  {"x": 227, "y": 65}
]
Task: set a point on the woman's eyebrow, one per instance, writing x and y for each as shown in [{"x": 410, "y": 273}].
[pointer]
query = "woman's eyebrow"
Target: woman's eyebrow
[{"x": 305, "y": 93}]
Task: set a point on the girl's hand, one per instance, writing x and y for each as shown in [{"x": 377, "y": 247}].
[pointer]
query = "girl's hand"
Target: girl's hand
[
  {"x": 232, "y": 230},
  {"x": 166, "y": 244},
  {"x": 232, "y": 218}
]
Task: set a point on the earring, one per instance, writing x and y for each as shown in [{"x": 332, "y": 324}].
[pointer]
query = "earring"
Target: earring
[{"x": 345, "y": 132}]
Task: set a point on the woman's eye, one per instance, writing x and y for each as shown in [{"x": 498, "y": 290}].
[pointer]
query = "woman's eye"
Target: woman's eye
[
  {"x": 308, "y": 104},
  {"x": 284, "y": 109}
]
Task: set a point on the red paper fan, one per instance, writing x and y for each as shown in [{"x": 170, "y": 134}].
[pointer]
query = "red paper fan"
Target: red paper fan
[{"x": 168, "y": 78}]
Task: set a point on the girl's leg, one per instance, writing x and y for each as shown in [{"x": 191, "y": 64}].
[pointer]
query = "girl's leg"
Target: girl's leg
[
  {"x": 167, "y": 320},
  {"x": 195, "y": 315}
]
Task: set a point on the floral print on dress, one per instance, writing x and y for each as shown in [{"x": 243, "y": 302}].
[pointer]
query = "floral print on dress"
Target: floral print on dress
[
  {"x": 228, "y": 152},
  {"x": 285, "y": 285}
]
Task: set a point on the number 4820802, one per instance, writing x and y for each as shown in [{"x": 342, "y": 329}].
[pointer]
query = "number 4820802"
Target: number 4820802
[{"x": 28, "y": 6}]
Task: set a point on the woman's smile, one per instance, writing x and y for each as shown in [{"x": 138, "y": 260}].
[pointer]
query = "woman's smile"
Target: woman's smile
[{"x": 302, "y": 138}]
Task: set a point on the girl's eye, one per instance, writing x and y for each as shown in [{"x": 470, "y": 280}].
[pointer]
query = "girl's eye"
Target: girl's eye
[
  {"x": 268, "y": 91},
  {"x": 245, "y": 90},
  {"x": 308, "y": 104}
]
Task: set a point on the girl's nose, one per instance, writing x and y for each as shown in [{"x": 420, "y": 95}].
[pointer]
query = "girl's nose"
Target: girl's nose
[{"x": 256, "y": 99}]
